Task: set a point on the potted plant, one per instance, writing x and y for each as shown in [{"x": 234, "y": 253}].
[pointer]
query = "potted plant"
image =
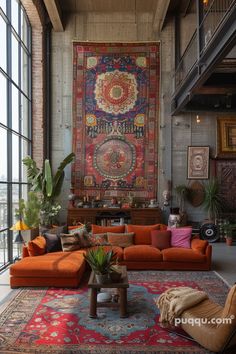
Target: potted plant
[
  {"x": 182, "y": 193},
  {"x": 178, "y": 215},
  {"x": 28, "y": 211},
  {"x": 213, "y": 201},
  {"x": 47, "y": 185},
  {"x": 116, "y": 272},
  {"x": 228, "y": 232},
  {"x": 101, "y": 262}
]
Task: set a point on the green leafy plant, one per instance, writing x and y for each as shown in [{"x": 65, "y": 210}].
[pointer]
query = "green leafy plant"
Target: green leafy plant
[
  {"x": 28, "y": 211},
  {"x": 213, "y": 200},
  {"x": 47, "y": 185},
  {"x": 100, "y": 261},
  {"x": 182, "y": 193}
]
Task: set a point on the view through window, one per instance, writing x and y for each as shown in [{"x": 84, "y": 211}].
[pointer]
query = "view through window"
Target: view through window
[{"x": 15, "y": 118}]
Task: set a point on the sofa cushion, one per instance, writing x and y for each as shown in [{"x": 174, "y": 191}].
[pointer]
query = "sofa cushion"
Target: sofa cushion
[
  {"x": 49, "y": 265},
  {"x": 53, "y": 242},
  {"x": 176, "y": 254},
  {"x": 70, "y": 242},
  {"x": 122, "y": 240},
  {"x": 74, "y": 229},
  {"x": 143, "y": 232},
  {"x": 53, "y": 230},
  {"x": 97, "y": 229},
  {"x": 142, "y": 253},
  {"x": 181, "y": 236},
  {"x": 37, "y": 246},
  {"x": 161, "y": 239},
  {"x": 98, "y": 239}
]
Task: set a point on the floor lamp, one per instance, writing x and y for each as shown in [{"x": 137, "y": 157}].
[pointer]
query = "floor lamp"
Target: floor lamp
[{"x": 19, "y": 240}]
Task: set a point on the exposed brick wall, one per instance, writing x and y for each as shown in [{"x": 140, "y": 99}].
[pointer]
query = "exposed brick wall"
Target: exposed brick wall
[{"x": 37, "y": 17}]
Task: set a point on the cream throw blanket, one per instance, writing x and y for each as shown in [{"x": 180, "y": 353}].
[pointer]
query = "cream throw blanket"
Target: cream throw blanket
[{"x": 174, "y": 301}]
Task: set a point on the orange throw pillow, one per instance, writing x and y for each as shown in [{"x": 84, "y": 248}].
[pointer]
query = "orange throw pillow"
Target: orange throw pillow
[
  {"x": 143, "y": 232},
  {"x": 97, "y": 229},
  {"x": 37, "y": 246}
]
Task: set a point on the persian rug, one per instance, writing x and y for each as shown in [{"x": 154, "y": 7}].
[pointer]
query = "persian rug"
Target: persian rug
[
  {"x": 115, "y": 117},
  {"x": 56, "y": 320}
]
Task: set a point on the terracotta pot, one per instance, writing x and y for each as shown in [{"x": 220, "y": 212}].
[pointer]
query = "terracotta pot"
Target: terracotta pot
[{"x": 229, "y": 241}]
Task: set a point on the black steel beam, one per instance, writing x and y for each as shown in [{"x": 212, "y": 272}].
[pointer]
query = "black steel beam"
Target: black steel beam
[{"x": 224, "y": 40}]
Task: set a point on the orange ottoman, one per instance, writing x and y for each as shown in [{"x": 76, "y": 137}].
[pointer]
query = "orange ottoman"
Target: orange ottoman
[{"x": 59, "y": 269}]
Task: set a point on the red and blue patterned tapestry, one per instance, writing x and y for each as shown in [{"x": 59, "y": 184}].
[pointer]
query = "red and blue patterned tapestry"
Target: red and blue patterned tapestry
[{"x": 115, "y": 109}]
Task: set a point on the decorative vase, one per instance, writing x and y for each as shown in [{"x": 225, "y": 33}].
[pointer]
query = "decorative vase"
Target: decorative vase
[
  {"x": 102, "y": 278},
  {"x": 174, "y": 218},
  {"x": 115, "y": 276}
]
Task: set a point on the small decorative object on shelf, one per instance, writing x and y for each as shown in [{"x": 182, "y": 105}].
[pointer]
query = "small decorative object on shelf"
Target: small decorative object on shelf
[
  {"x": 72, "y": 197},
  {"x": 153, "y": 204}
]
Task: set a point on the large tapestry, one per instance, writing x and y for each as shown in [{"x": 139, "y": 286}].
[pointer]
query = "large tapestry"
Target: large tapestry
[{"x": 116, "y": 104}]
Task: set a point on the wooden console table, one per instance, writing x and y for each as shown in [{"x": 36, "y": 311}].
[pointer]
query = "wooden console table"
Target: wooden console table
[{"x": 135, "y": 216}]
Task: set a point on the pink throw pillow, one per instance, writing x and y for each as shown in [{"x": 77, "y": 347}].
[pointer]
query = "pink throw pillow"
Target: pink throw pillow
[{"x": 180, "y": 237}]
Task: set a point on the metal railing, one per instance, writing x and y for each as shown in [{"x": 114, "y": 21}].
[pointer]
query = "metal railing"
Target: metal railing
[
  {"x": 4, "y": 234},
  {"x": 214, "y": 13},
  {"x": 187, "y": 61}
]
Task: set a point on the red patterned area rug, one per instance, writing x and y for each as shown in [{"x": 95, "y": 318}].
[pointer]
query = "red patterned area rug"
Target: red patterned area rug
[{"x": 56, "y": 320}]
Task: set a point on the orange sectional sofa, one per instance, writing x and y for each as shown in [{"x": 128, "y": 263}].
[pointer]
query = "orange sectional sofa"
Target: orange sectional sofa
[{"x": 65, "y": 269}]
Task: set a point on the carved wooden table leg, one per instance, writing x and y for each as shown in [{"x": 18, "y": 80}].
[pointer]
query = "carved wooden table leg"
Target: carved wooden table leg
[
  {"x": 123, "y": 302},
  {"x": 93, "y": 303}
]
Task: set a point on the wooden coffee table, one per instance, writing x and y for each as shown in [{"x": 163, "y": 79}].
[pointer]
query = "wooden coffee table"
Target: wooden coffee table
[{"x": 121, "y": 286}]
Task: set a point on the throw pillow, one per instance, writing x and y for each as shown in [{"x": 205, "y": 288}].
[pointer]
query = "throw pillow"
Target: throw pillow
[
  {"x": 53, "y": 242},
  {"x": 73, "y": 230},
  {"x": 37, "y": 246},
  {"x": 97, "y": 229},
  {"x": 82, "y": 235},
  {"x": 98, "y": 240},
  {"x": 181, "y": 236},
  {"x": 122, "y": 240},
  {"x": 161, "y": 239},
  {"x": 75, "y": 227},
  {"x": 143, "y": 232},
  {"x": 54, "y": 230},
  {"x": 70, "y": 242}
]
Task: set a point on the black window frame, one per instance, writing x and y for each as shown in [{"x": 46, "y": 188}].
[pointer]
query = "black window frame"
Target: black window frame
[{"x": 9, "y": 254}]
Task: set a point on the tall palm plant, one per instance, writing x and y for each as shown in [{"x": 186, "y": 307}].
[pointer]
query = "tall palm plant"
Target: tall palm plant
[
  {"x": 213, "y": 200},
  {"x": 47, "y": 185}
]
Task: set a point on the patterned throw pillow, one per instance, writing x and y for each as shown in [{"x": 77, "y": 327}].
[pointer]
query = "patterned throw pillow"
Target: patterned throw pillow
[
  {"x": 122, "y": 240},
  {"x": 98, "y": 239},
  {"x": 83, "y": 236},
  {"x": 70, "y": 242}
]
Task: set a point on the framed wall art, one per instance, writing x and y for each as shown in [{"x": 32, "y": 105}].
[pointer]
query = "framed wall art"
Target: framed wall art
[
  {"x": 198, "y": 162},
  {"x": 226, "y": 137}
]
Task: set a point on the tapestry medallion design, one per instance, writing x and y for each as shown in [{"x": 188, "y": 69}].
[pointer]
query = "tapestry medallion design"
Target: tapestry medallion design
[
  {"x": 116, "y": 92},
  {"x": 115, "y": 108},
  {"x": 114, "y": 158}
]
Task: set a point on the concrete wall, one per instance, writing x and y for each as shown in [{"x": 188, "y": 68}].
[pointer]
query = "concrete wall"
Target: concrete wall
[{"x": 173, "y": 139}]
